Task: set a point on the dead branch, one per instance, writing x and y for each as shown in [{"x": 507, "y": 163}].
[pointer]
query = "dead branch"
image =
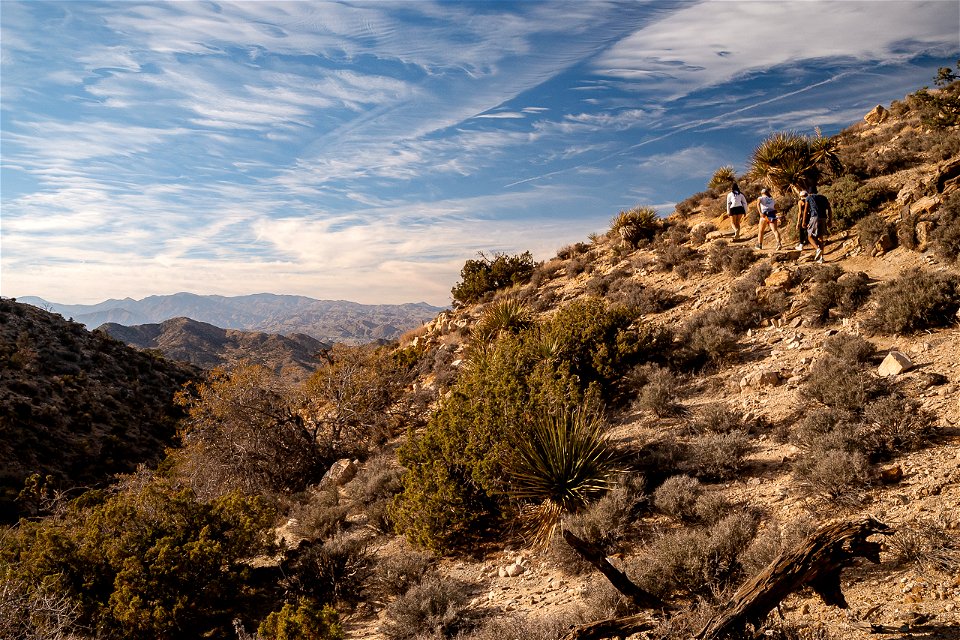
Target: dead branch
[
  {"x": 815, "y": 563},
  {"x": 595, "y": 556}
]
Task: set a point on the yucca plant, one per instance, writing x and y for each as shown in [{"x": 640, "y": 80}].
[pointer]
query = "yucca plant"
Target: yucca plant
[
  {"x": 722, "y": 178},
  {"x": 634, "y": 224},
  {"x": 503, "y": 316},
  {"x": 792, "y": 161},
  {"x": 563, "y": 463}
]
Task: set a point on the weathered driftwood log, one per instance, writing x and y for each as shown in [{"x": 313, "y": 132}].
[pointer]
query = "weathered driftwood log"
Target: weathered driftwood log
[
  {"x": 816, "y": 563},
  {"x": 595, "y": 556},
  {"x": 612, "y": 627}
]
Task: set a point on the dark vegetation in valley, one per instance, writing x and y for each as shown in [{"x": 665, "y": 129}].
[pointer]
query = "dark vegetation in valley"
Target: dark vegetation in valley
[{"x": 494, "y": 425}]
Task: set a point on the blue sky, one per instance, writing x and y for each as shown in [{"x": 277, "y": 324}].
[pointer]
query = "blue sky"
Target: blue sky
[{"x": 365, "y": 150}]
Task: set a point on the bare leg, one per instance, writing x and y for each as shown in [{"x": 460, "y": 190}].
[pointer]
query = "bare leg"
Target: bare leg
[{"x": 762, "y": 228}]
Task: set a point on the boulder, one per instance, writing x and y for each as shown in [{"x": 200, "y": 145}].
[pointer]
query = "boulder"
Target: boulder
[
  {"x": 340, "y": 472},
  {"x": 894, "y": 364},
  {"x": 925, "y": 205},
  {"x": 876, "y": 115},
  {"x": 778, "y": 279},
  {"x": 923, "y": 230},
  {"x": 715, "y": 235}
]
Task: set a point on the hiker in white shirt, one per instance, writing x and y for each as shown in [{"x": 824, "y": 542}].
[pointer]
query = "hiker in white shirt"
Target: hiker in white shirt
[
  {"x": 768, "y": 217},
  {"x": 736, "y": 208}
]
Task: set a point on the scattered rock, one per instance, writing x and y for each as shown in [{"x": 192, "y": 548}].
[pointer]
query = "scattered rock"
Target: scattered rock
[
  {"x": 894, "y": 364},
  {"x": 891, "y": 474},
  {"x": 932, "y": 379}
]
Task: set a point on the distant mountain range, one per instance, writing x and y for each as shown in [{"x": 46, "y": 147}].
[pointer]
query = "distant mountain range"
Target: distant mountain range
[
  {"x": 207, "y": 346},
  {"x": 324, "y": 320}
]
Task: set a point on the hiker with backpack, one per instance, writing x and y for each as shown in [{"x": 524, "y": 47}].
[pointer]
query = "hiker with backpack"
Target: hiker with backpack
[
  {"x": 815, "y": 214},
  {"x": 768, "y": 217},
  {"x": 736, "y": 208}
]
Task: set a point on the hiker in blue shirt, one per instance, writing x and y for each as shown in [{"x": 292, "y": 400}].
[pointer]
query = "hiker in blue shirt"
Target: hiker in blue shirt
[{"x": 815, "y": 214}]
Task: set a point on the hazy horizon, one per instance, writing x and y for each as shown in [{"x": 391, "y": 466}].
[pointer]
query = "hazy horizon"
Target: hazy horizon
[{"x": 363, "y": 151}]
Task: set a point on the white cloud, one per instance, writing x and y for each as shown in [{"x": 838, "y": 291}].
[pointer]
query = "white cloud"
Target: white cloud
[{"x": 712, "y": 43}]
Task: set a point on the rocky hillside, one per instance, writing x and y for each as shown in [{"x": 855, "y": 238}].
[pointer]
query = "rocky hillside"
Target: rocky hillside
[
  {"x": 791, "y": 393},
  {"x": 324, "y": 320},
  {"x": 207, "y": 346},
  {"x": 76, "y": 405}
]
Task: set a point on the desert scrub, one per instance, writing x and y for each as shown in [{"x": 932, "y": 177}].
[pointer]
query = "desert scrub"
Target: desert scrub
[
  {"x": 846, "y": 294},
  {"x": 396, "y": 574},
  {"x": 334, "y": 571},
  {"x": 916, "y": 299},
  {"x": 659, "y": 390},
  {"x": 640, "y": 299},
  {"x": 839, "y": 384},
  {"x": 677, "y": 497},
  {"x": 775, "y": 538},
  {"x": 849, "y": 347},
  {"x": 374, "y": 489},
  {"x": 873, "y": 229},
  {"x": 672, "y": 256},
  {"x": 718, "y": 418},
  {"x": 433, "y": 606},
  {"x": 718, "y": 456},
  {"x": 946, "y": 235},
  {"x": 610, "y": 521},
  {"x": 696, "y": 561},
  {"x": 722, "y": 257},
  {"x": 894, "y": 424},
  {"x": 837, "y": 474},
  {"x": 320, "y": 516}
]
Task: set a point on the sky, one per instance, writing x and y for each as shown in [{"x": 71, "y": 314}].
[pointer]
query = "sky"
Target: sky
[{"x": 365, "y": 150}]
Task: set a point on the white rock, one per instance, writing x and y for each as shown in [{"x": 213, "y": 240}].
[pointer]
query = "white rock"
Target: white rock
[{"x": 894, "y": 364}]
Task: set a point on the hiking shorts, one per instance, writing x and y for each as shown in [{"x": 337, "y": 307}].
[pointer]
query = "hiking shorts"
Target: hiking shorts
[
  {"x": 771, "y": 216},
  {"x": 817, "y": 227}
]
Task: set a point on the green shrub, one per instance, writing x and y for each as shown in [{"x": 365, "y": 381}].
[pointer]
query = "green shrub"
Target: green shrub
[
  {"x": 915, "y": 300},
  {"x": 305, "y": 620},
  {"x": 478, "y": 277},
  {"x": 851, "y": 200},
  {"x": 148, "y": 561}
]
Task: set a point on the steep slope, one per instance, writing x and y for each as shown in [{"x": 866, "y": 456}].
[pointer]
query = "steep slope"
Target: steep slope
[
  {"x": 77, "y": 405},
  {"x": 207, "y": 346},
  {"x": 324, "y": 320}
]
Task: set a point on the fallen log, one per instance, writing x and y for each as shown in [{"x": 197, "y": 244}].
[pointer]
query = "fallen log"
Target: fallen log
[
  {"x": 815, "y": 563},
  {"x": 612, "y": 627}
]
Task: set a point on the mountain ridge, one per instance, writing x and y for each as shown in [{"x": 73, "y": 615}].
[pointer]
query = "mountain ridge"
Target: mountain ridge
[{"x": 324, "y": 320}]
